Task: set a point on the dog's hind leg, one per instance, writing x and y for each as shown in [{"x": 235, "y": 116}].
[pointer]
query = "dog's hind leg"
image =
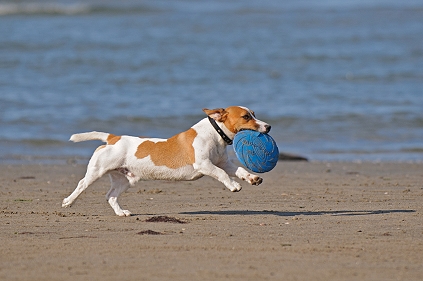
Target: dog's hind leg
[
  {"x": 119, "y": 184},
  {"x": 89, "y": 178},
  {"x": 94, "y": 172}
]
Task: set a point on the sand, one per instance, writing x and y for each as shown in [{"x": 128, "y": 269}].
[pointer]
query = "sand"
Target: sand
[{"x": 307, "y": 221}]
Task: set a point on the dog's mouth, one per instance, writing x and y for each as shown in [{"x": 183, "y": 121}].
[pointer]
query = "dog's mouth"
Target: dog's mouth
[{"x": 265, "y": 131}]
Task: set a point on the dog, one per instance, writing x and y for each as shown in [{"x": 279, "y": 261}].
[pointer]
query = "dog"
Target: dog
[{"x": 189, "y": 155}]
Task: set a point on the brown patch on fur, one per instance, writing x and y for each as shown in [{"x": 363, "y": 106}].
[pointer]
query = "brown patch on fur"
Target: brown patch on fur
[
  {"x": 235, "y": 118},
  {"x": 217, "y": 114},
  {"x": 173, "y": 153},
  {"x": 112, "y": 139}
]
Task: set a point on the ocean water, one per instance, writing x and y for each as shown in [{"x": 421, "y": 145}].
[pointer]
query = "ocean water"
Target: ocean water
[{"x": 337, "y": 80}]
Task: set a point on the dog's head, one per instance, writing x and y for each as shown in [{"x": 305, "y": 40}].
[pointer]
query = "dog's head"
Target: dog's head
[{"x": 238, "y": 118}]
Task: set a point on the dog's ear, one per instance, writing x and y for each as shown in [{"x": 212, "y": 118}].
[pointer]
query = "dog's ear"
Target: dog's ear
[{"x": 218, "y": 114}]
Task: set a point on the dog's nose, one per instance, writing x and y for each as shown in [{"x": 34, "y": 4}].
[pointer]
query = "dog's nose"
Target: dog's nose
[{"x": 267, "y": 127}]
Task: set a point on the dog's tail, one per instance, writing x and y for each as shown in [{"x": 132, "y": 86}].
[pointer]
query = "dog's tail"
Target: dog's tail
[{"x": 90, "y": 136}]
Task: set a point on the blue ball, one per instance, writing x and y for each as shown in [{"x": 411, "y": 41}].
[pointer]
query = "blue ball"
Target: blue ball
[{"x": 256, "y": 151}]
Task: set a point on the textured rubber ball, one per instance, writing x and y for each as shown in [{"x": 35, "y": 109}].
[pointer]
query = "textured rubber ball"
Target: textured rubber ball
[{"x": 256, "y": 151}]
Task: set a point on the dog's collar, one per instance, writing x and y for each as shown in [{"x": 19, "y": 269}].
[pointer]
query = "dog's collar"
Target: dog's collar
[{"x": 220, "y": 131}]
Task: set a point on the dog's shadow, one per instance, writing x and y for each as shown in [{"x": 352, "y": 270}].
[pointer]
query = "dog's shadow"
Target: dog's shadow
[{"x": 293, "y": 214}]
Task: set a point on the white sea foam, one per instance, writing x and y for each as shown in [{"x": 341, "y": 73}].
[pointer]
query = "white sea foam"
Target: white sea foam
[{"x": 43, "y": 8}]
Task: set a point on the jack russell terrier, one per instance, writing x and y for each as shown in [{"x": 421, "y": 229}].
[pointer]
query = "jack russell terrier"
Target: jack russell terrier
[{"x": 186, "y": 156}]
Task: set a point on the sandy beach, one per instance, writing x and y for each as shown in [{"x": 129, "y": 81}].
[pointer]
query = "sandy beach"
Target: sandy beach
[{"x": 307, "y": 221}]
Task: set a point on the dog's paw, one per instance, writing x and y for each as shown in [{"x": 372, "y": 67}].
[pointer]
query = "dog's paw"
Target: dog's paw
[
  {"x": 124, "y": 213},
  {"x": 66, "y": 203},
  {"x": 235, "y": 186},
  {"x": 255, "y": 180}
]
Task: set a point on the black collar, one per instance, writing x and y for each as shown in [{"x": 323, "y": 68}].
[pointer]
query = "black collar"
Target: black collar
[{"x": 220, "y": 131}]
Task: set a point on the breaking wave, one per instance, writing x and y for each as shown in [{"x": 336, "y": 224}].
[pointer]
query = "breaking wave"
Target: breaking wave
[{"x": 67, "y": 9}]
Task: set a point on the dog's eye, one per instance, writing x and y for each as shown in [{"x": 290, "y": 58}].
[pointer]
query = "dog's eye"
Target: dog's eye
[{"x": 246, "y": 117}]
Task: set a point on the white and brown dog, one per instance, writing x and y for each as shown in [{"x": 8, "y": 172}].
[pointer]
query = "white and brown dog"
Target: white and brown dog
[{"x": 186, "y": 156}]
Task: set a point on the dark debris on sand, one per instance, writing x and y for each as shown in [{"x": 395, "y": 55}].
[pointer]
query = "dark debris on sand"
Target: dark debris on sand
[
  {"x": 149, "y": 232},
  {"x": 164, "y": 219}
]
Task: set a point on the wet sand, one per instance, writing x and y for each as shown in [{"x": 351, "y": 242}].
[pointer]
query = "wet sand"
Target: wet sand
[{"x": 307, "y": 221}]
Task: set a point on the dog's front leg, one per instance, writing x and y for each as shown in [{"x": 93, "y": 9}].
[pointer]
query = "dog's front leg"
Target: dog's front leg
[
  {"x": 207, "y": 168},
  {"x": 248, "y": 177},
  {"x": 241, "y": 173}
]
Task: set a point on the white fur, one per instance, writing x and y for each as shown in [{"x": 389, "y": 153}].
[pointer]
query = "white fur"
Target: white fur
[
  {"x": 89, "y": 136},
  {"x": 125, "y": 169}
]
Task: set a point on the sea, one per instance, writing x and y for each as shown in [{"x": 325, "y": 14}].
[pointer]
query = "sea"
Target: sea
[{"x": 337, "y": 80}]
